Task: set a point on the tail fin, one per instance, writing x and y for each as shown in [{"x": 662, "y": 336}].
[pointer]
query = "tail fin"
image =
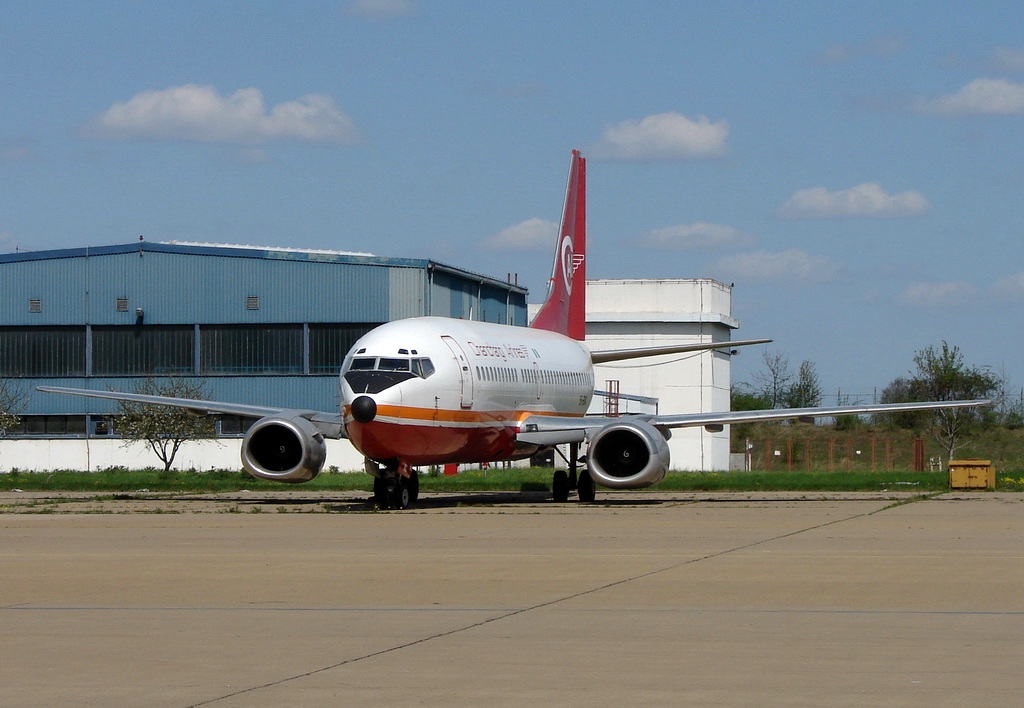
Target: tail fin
[{"x": 565, "y": 309}]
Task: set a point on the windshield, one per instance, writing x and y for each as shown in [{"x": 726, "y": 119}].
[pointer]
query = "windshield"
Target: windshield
[{"x": 375, "y": 374}]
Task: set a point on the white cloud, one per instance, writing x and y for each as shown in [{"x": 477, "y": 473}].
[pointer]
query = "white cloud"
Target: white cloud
[
  {"x": 527, "y": 235},
  {"x": 200, "y": 114},
  {"x": 665, "y": 136},
  {"x": 863, "y": 200},
  {"x": 380, "y": 9},
  {"x": 937, "y": 294},
  {"x": 1010, "y": 287},
  {"x": 980, "y": 97},
  {"x": 697, "y": 237},
  {"x": 791, "y": 267}
]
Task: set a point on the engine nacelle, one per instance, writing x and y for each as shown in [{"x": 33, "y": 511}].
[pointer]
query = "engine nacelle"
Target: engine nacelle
[
  {"x": 628, "y": 455},
  {"x": 284, "y": 449}
]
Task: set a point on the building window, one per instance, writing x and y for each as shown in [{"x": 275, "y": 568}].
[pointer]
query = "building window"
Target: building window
[
  {"x": 251, "y": 350},
  {"x": 329, "y": 343},
  {"x": 233, "y": 425},
  {"x": 142, "y": 349},
  {"x": 42, "y": 351}
]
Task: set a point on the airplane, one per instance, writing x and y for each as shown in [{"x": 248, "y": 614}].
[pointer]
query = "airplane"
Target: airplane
[{"x": 436, "y": 390}]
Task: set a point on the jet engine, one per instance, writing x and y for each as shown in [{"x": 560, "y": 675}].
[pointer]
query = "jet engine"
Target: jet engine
[
  {"x": 284, "y": 449},
  {"x": 628, "y": 455}
]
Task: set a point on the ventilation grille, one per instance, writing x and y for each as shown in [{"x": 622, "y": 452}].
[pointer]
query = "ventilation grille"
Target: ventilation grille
[
  {"x": 252, "y": 302},
  {"x": 122, "y": 304},
  {"x": 35, "y": 306}
]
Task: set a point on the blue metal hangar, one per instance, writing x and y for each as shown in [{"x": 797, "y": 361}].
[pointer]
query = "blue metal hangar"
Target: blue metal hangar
[{"x": 257, "y": 325}]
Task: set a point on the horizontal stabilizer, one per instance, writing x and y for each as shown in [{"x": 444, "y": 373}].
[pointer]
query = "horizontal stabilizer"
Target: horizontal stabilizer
[{"x": 607, "y": 355}]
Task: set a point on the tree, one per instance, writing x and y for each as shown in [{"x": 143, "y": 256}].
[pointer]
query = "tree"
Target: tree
[
  {"x": 164, "y": 428},
  {"x": 1008, "y": 404},
  {"x": 901, "y": 390},
  {"x": 805, "y": 392},
  {"x": 943, "y": 376},
  {"x": 12, "y": 402},
  {"x": 774, "y": 382},
  {"x": 743, "y": 398}
]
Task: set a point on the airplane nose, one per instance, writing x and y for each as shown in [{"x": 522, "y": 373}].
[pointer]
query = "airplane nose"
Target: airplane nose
[{"x": 364, "y": 409}]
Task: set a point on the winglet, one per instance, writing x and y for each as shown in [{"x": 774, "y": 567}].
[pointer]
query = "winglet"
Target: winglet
[{"x": 565, "y": 309}]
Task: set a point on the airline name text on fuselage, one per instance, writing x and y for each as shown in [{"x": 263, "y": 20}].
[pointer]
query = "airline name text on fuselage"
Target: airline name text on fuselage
[{"x": 509, "y": 351}]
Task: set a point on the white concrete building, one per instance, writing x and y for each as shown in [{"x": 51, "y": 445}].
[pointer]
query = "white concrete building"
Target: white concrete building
[{"x": 638, "y": 313}]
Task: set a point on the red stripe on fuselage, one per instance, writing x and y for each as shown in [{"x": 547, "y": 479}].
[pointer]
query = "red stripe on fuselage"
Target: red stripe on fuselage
[{"x": 436, "y": 437}]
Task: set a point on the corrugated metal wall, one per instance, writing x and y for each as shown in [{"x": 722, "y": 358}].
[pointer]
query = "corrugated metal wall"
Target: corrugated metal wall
[
  {"x": 175, "y": 288},
  {"x": 189, "y": 286}
]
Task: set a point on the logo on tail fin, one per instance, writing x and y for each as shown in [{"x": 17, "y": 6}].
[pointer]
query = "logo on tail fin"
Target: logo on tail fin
[{"x": 570, "y": 262}]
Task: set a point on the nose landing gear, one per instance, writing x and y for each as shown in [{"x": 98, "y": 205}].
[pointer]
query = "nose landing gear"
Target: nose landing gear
[{"x": 395, "y": 487}]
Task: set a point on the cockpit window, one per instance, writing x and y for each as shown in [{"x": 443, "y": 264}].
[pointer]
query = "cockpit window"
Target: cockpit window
[
  {"x": 373, "y": 375},
  {"x": 387, "y": 364},
  {"x": 422, "y": 367}
]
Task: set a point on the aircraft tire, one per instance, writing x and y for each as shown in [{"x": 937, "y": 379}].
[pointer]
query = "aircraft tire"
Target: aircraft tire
[
  {"x": 401, "y": 494},
  {"x": 414, "y": 486},
  {"x": 380, "y": 493},
  {"x": 560, "y": 486},
  {"x": 585, "y": 487}
]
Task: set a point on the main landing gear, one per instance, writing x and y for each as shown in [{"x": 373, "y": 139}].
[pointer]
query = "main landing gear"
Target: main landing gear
[
  {"x": 565, "y": 481},
  {"x": 395, "y": 486}
]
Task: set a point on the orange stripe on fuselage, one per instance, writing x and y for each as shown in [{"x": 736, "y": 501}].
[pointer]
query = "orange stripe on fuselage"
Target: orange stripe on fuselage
[{"x": 416, "y": 415}]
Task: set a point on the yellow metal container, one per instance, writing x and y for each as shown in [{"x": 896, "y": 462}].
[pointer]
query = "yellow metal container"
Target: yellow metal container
[{"x": 972, "y": 474}]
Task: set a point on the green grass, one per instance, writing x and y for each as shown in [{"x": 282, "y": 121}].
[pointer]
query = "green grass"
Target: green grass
[{"x": 532, "y": 479}]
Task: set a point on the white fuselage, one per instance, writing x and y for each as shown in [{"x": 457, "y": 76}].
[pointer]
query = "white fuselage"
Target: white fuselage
[{"x": 457, "y": 391}]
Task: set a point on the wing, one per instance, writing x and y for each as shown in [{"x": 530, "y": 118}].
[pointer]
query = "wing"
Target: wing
[
  {"x": 692, "y": 420},
  {"x": 604, "y": 356},
  {"x": 557, "y": 430},
  {"x": 330, "y": 424}
]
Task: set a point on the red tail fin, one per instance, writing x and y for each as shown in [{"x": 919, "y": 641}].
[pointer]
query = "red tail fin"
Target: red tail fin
[{"x": 565, "y": 309}]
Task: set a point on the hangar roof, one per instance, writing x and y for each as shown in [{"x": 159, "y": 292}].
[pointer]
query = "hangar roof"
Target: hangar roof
[
  {"x": 192, "y": 282},
  {"x": 279, "y": 253}
]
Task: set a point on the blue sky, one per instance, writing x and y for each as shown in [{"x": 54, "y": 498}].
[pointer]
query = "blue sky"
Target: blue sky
[{"x": 855, "y": 168}]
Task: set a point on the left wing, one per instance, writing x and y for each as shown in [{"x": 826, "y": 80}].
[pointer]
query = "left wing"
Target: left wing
[
  {"x": 330, "y": 424},
  {"x": 556, "y": 430}
]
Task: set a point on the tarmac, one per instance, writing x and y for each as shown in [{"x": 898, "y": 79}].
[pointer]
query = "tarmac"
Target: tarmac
[{"x": 654, "y": 598}]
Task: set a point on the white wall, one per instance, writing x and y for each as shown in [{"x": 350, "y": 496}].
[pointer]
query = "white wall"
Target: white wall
[
  {"x": 637, "y": 313},
  {"x": 100, "y": 453}
]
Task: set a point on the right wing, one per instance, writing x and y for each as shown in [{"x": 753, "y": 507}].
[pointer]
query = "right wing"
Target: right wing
[{"x": 330, "y": 424}]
